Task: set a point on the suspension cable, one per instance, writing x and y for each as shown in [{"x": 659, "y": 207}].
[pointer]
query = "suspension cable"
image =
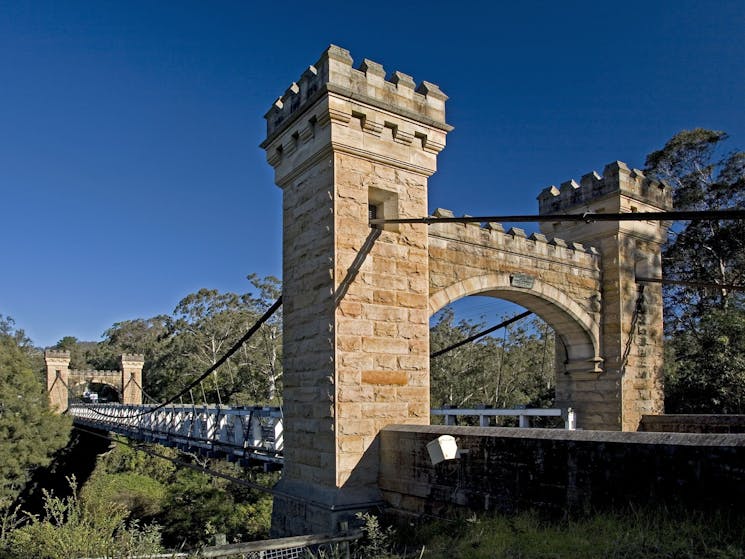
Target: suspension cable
[
  {"x": 638, "y": 311},
  {"x": 587, "y": 217},
  {"x": 480, "y": 334},
  {"x": 691, "y": 283},
  {"x": 251, "y": 331}
]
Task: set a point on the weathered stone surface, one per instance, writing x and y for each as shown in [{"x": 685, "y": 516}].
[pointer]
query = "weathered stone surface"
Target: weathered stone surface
[
  {"x": 346, "y": 143},
  {"x": 341, "y": 141},
  {"x": 560, "y": 472},
  {"x": 60, "y": 379}
]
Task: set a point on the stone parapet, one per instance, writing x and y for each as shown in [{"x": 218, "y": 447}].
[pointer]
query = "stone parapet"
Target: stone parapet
[
  {"x": 560, "y": 472},
  {"x": 693, "y": 423},
  {"x": 616, "y": 178},
  {"x": 133, "y": 359},
  {"x": 94, "y": 372},
  {"x": 493, "y": 235}
]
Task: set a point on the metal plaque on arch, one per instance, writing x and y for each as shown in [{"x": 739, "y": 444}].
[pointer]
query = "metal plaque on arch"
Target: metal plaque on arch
[{"x": 523, "y": 281}]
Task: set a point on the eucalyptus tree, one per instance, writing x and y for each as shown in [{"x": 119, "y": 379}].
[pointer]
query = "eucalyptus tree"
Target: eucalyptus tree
[
  {"x": 514, "y": 366},
  {"x": 705, "y": 325}
]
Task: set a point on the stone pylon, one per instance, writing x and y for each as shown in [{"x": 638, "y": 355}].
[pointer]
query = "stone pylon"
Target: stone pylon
[
  {"x": 628, "y": 383},
  {"x": 347, "y": 143},
  {"x": 58, "y": 374},
  {"x": 132, "y": 365}
]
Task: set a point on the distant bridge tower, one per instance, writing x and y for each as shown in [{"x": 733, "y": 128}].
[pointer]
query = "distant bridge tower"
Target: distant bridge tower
[
  {"x": 127, "y": 382},
  {"x": 58, "y": 375},
  {"x": 132, "y": 365},
  {"x": 345, "y": 143}
]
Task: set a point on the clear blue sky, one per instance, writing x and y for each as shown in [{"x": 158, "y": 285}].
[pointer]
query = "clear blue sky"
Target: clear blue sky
[{"x": 130, "y": 172}]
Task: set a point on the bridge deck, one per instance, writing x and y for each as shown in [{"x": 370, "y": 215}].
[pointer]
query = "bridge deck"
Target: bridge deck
[{"x": 250, "y": 434}]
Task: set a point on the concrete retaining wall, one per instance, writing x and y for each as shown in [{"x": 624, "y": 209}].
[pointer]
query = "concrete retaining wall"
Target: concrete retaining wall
[{"x": 560, "y": 472}]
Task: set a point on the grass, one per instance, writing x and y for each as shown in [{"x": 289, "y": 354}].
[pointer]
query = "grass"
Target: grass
[{"x": 634, "y": 535}]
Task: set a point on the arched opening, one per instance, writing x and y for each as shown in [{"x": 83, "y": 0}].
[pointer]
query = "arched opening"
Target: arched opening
[
  {"x": 101, "y": 392},
  {"x": 559, "y": 324},
  {"x": 509, "y": 367},
  {"x": 576, "y": 327}
]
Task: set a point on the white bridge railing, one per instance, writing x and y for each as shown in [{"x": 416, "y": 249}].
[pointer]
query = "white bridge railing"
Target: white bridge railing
[
  {"x": 239, "y": 433},
  {"x": 524, "y": 415}
]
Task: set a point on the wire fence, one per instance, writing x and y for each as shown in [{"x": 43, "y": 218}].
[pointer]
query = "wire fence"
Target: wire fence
[{"x": 336, "y": 546}]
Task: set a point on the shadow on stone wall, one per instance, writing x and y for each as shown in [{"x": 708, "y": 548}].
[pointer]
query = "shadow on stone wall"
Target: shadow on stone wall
[{"x": 561, "y": 472}]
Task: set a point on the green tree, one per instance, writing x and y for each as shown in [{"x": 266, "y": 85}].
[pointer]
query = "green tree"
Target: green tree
[
  {"x": 196, "y": 509},
  {"x": 203, "y": 327},
  {"x": 705, "y": 326},
  {"x": 513, "y": 367},
  {"x": 702, "y": 250},
  {"x": 132, "y": 479},
  {"x": 72, "y": 528},
  {"x": 29, "y": 432}
]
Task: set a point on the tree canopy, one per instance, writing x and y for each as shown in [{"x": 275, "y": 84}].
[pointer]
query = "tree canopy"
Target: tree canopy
[
  {"x": 705, "y": 326},
  {"x": 29, "y": 432}
]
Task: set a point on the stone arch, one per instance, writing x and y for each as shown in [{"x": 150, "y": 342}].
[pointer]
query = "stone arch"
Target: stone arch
[{"x": 578, "y": 329}]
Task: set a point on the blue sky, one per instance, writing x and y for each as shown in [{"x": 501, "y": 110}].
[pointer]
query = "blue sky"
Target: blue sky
[{"x": 130, "y": 172}]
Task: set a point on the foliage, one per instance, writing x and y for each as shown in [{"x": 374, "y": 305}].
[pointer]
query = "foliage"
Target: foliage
[
  {"x": 707, "y": 371},
  {"x": 29, "y": 432},
  {"x": 203, "y": 326},
  {"x": 123, "y": 458},
  {"x": 513, "y": 368},
  {"x": 71, "y": 528},
  {"x": 140, "y": 495},
  {"x": 197, "y": 510},
  {"x": 702, "y": 250},
  {"x": 647, "y": 534},
  {"x": 377, "y": 542},
  {"x": 80, "y": 352},
  {"x": 704, "y": 326}
]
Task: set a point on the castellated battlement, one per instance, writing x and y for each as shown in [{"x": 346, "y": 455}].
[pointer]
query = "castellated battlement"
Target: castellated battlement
[
  {"x": 57, "y": 354},
  {"x": 334, "y": 72},
  {"x": 133, "y": 357},
  {"x": 358, "y": 109},
  {"x": 515, "y": 240},
  {"x": 593, "y": 188}
]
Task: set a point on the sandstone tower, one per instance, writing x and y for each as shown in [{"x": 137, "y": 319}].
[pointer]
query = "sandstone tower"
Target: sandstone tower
[
  {"x": 347, "y": 143},
  {"x": 58, "y": 373},
  {"x": 629, "y": 381},
  {"x": 132, "y": 365}
]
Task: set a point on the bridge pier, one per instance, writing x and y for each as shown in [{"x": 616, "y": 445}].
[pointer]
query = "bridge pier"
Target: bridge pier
[
  {"x": 346, "y": 143},
  {"x": 132, "y": 365}
]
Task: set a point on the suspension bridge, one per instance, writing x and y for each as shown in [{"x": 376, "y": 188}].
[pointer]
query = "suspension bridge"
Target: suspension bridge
[{"x": 365, "y": 265}]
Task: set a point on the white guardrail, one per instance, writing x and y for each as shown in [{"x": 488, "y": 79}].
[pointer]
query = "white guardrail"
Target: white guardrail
[
  {"x": 524, "y": 415},
  {"x": 250, "y": 432}
]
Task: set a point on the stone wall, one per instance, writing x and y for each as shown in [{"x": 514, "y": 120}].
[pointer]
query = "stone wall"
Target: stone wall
[
  {"x": 560, "y": 472},
  {"x": 693, "y": 423}
]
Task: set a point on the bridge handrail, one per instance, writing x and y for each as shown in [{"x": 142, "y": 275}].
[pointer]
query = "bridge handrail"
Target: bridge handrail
[
  {"x": 254, "y": 432},
  {"x": 524, "y": 414}
]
